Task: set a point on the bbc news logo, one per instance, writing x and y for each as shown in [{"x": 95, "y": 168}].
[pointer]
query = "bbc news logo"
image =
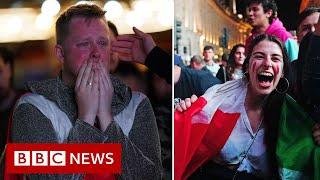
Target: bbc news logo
[
  {"x": 63, "y": 158},
  {"x": 39, "y": 158}
]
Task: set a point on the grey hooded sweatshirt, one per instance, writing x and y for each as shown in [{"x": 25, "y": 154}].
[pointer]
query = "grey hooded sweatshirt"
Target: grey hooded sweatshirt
[{"x": 133, "y": 126}]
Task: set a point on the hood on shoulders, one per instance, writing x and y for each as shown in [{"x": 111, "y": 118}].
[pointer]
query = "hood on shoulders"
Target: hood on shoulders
[{"x": 277, "y": 29}]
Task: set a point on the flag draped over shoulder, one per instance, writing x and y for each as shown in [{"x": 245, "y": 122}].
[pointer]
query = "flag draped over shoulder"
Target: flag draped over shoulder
[
  {"x": 297, "y": 154},
  {"x": 201, "y": 131}
]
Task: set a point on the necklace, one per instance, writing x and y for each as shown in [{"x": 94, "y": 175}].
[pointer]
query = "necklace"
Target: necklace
[{"x": 246, "y": 152}]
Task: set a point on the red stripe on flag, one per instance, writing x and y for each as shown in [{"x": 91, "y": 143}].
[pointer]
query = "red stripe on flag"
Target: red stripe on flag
[
  {"x": 217, "y": 134},
  {"x": 182, "y": 128},
  {"x": 197, "y": 143}
]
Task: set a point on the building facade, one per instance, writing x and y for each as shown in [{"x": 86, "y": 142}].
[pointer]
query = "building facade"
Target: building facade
[{"x": 207, "y": 22}]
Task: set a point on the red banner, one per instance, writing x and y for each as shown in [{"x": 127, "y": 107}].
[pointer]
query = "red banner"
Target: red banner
[{"x": 63, "y": 158}]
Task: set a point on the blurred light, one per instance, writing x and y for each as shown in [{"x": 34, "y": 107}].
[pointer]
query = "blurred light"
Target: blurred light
[
  {"x": 43, "y": 22},
  {"x": 84, "y": 2},
  {"x": 50, "y": 7},
  {"x": 215, "y": 56},
  {"x": 165, "y": 13},
  {"x": 114, "y": 10},
  {"x": 202, "y": 38},
  {"x": 14, "y": 24},
  {"x": 18, "y": 24},
  {"x": 133, "y": 19},
  {"x": 165, "y": 19},
  {"x": 143, "y": 8},
  {"x": 240, "y": 16}
]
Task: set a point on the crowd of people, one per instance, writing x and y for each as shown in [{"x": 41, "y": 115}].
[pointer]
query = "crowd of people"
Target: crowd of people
[{"x": 262, "y": 119}]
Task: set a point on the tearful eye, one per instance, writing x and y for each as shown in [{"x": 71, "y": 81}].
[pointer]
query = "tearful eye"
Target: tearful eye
[
  {"x": 83, "y": 44},
  {"x": 103, "y": 43}
]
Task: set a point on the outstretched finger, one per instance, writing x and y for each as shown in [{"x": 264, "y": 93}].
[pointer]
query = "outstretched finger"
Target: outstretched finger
[
  {"x": 128, "y": 37},
  {"x": 86, "y": 75},
  {"x": 193, "y": 98},
  {"x": 106, "y": 81},
  {"x": 188, "y": 102},
  {"x": 183, "y": 105},
  {"x": 80, "y": 74},
  {"x": 138, "y": 32},
  {"x": 102, "y": 86},
  {"x": 122, "y": 50},
  {"x": 96, "y": 80},
  {"x": 178, "y": 108},
  {"x": 90, "y": 80},
  {"x": 127, "y": 44},
  {"x": 103, "y": 68},
  {"x": 125, "y": 57}
]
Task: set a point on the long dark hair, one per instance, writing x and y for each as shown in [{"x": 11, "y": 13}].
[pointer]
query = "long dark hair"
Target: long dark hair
[
  {"x": 273, "y": 104},
  {"x": 231, "y": 60}
]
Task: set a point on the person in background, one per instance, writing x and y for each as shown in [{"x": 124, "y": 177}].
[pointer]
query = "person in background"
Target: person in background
[
  {"x": 8, "y": 95},
  {"x": 84, "y": 94},
  {"x": 188, "y": 81},
  {"x": 222, "y": 73},
  {"x": 141, "y": 48},
  {"x": 262, "y": 16},
  {"x": 197, "y": 63},
  {"x": 236, "y": 60},
  {"x": 208, "y": 59},
  {"x": 306, "y": 88},
  {"x": 114, "y": 61},
  {"x": 307, "y": 20}
]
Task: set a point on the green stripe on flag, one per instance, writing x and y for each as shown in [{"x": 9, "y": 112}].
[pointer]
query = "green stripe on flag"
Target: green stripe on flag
[{"x": 295, "y": 148}]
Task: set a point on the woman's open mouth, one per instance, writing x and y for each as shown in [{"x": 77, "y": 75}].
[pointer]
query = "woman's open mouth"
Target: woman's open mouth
[{"x": 265, "y": 79}]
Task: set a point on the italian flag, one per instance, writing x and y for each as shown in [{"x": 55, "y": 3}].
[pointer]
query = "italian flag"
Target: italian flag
[
  {"x": 201, "y": 132},
  {"x": 298, "y": 156}
]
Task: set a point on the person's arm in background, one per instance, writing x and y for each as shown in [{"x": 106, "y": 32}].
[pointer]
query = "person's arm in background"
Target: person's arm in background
[
  {"x": 177, "y": 73},
  {"x": 292, "y": 49},
  {"x": 142, "y": 49},
  {"x": 220, "y": 75}
]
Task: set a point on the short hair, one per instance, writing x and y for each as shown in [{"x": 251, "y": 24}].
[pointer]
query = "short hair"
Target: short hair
[
  {"x": 88, "y": 11},
  {"x": 8, "y": 58},
  {"x": 113, "y": 28},
  {"x": 266, "y": 5},
  {"x": 197, "y": 59},
  {"x": 305, "y": 13},
  {"x": 208, "y": 47}
]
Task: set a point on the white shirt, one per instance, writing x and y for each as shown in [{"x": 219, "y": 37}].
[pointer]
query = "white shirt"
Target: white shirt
[
  {"x": 237, "y": 74},
  {"x": 238, "y": 143},
  {"x": 214, "y": 68}
]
